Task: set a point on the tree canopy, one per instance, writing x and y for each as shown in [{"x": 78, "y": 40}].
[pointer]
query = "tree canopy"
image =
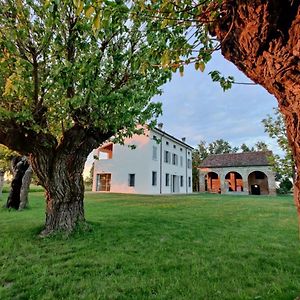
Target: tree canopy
[
  {"x": 283, "y": 164},
  {"x": 63, "y": 65},
  {"x": 73, "y": 74}
]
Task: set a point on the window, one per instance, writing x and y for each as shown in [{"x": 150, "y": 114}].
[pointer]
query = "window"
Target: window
[
  {"x": 175, "y": 159},
  {"x": 189, "y": 164},
  {"x": 167, "y": 179},
  {"x": 189, "y": 181},
  {"x": 167, "y": 143},
  {"x": 189, "y": 153},
  {"x": 167, "y": 157},
  {"x": 154, "y": 137},
  {"x": 174, "y": 146},
  {"x": 131, "y": 179},
  {"x": 181, "y": 161},
  {"x": 180, "y": 149},
  {"x": 154, "y": 153},
  {"x": 154, "y": 178},
  {"x": 181, "y": 180}
]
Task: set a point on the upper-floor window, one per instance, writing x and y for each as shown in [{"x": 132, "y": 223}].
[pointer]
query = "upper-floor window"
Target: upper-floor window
[
  {"x": 131, "y": 179},
  {"x": 181, "y": 161},
  {"x": 154, "y": 178},
  {"x": 190, "y": 181},
  {"x": 167, "y": 157},
  {"x": 154, "y": 153},
  {"x": 167, "y": 143},
  {"x": 174, "y": 146},
  {"x": 180, "y": 149},
  {"x": 175, "y": 159},
  {"x": 189, "y": 163}
]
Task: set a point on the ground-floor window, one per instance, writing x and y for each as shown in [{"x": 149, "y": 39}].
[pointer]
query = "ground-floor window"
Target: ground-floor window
[
  {"x": 154, "y": 178},
  {"x": 167, "y": 179},
  {"x": 190, "y": 181},
  {"x": 181, "y": 181},
  {"x": 103, "y": 182},
  {"x": 131, "y": 179}
]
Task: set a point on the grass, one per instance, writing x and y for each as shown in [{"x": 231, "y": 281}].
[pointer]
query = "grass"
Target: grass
[{"x": 164, "y": 247}]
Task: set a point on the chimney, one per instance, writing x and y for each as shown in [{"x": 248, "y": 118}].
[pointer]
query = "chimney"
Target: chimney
[
  {"x": 183, "y": 139},
  {"x": 160, "y": 126}
]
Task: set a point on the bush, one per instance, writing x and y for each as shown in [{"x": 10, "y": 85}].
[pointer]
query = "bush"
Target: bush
[{"x": 285, "y": 186}]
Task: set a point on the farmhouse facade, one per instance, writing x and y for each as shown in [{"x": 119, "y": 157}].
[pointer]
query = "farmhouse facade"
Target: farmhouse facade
[
  {"x": 243, "y": 173},
  {"x": 159, "y": 164}
]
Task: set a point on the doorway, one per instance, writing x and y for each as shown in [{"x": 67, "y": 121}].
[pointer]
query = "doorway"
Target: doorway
[
  {"x": 255, "y": 189},
  {"x": 175, "y": 184},
  {"x": 103, "y": 182}
]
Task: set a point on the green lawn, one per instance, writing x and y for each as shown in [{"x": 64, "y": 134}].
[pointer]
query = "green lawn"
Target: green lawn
[{"x": 147, "y": 247}]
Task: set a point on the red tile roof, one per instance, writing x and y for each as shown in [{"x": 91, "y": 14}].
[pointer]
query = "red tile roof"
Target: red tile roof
[{"x": 237, "y": 159}]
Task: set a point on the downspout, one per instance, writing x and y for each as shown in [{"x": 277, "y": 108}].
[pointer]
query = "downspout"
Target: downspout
[
  {"x": 160, "y": 166},
  {"x": 186, "y": 167}
]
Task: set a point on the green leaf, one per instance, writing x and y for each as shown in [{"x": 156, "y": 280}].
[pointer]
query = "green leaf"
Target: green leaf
[{"x": 89, "y": 11}]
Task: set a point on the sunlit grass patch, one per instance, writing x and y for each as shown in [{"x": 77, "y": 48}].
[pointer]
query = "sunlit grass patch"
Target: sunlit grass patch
[{"x": 164, "y": 247}]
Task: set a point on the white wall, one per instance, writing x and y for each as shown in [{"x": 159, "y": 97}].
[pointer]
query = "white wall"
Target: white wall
[{"x": 140, "y": 162}]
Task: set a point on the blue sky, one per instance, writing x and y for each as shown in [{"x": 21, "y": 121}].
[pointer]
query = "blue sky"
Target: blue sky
[{"x": 197, "y": 108}]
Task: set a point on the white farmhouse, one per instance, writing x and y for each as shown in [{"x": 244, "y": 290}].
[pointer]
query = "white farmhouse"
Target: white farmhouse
[{"x": 160, "y": 164}]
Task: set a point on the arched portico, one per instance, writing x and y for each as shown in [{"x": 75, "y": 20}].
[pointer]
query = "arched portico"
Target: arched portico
[
  {"x": 212, "y": 182},
  {"x": 258, "y": 183},
  {"x": 234, "y": 182}
]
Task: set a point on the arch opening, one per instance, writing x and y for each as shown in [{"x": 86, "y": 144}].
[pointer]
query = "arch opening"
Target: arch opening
[
  {"x": 258, "y": 183},
  {"x": 234, "y": 182},
  {"x": 212, "y": 183}
]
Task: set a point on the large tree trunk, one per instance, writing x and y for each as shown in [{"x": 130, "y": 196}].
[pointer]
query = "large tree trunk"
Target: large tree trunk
[
  {"x": 1, "y": 182},
  {"x": 64, "y": 189},
  {"x": 19, "y": 167},
  {"x": 26, "y": 180},
  {"x": 262, "y": 38},
  {"x": 59, "y": 170}
]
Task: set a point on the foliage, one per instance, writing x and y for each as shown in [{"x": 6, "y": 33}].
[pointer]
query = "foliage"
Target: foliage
[
  {"x": 275, "y": 127},
  {"x": 75, "y": 62},
  {"x": 220, "y": 146},
  {"x": 259, "y": 146},
  {"x": 187, "y": 27},
  {"x": 285, "y": 186},
  {"x": 6, "y": 156},
  {"x": 166, "y": 247}
]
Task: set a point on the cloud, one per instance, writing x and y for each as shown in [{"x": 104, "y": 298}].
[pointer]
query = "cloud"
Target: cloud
[{"x": 196, "y": 107}]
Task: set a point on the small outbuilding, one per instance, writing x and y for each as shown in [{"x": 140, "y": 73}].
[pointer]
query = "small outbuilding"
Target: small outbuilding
[{"x": 242, "y": 173}]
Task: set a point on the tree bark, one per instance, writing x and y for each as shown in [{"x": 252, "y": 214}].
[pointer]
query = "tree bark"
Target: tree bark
[
  {"x": 1, "y": 182},
  {"x": 60, "y": 172},
  {"x": 262, "y": 38},
  {"x": 19, "y": 167},
  {"x": 26, "y": 180}
]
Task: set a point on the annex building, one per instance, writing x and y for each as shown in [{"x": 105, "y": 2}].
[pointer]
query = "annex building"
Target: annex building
[
  {"x": 243, "y": 173},
  {"x": 159, "y": 164}
]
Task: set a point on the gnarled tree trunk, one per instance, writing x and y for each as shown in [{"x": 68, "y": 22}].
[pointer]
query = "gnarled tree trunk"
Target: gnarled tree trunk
[
  {"x": 64, "y": 190},
  {"x": 26, "y": 180},
  {"x": 1, "y": 182},
  {"x": 262, "y": 38},
  {"x": 19, "y": 167},
  {"x": 59, "y": 170}
]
